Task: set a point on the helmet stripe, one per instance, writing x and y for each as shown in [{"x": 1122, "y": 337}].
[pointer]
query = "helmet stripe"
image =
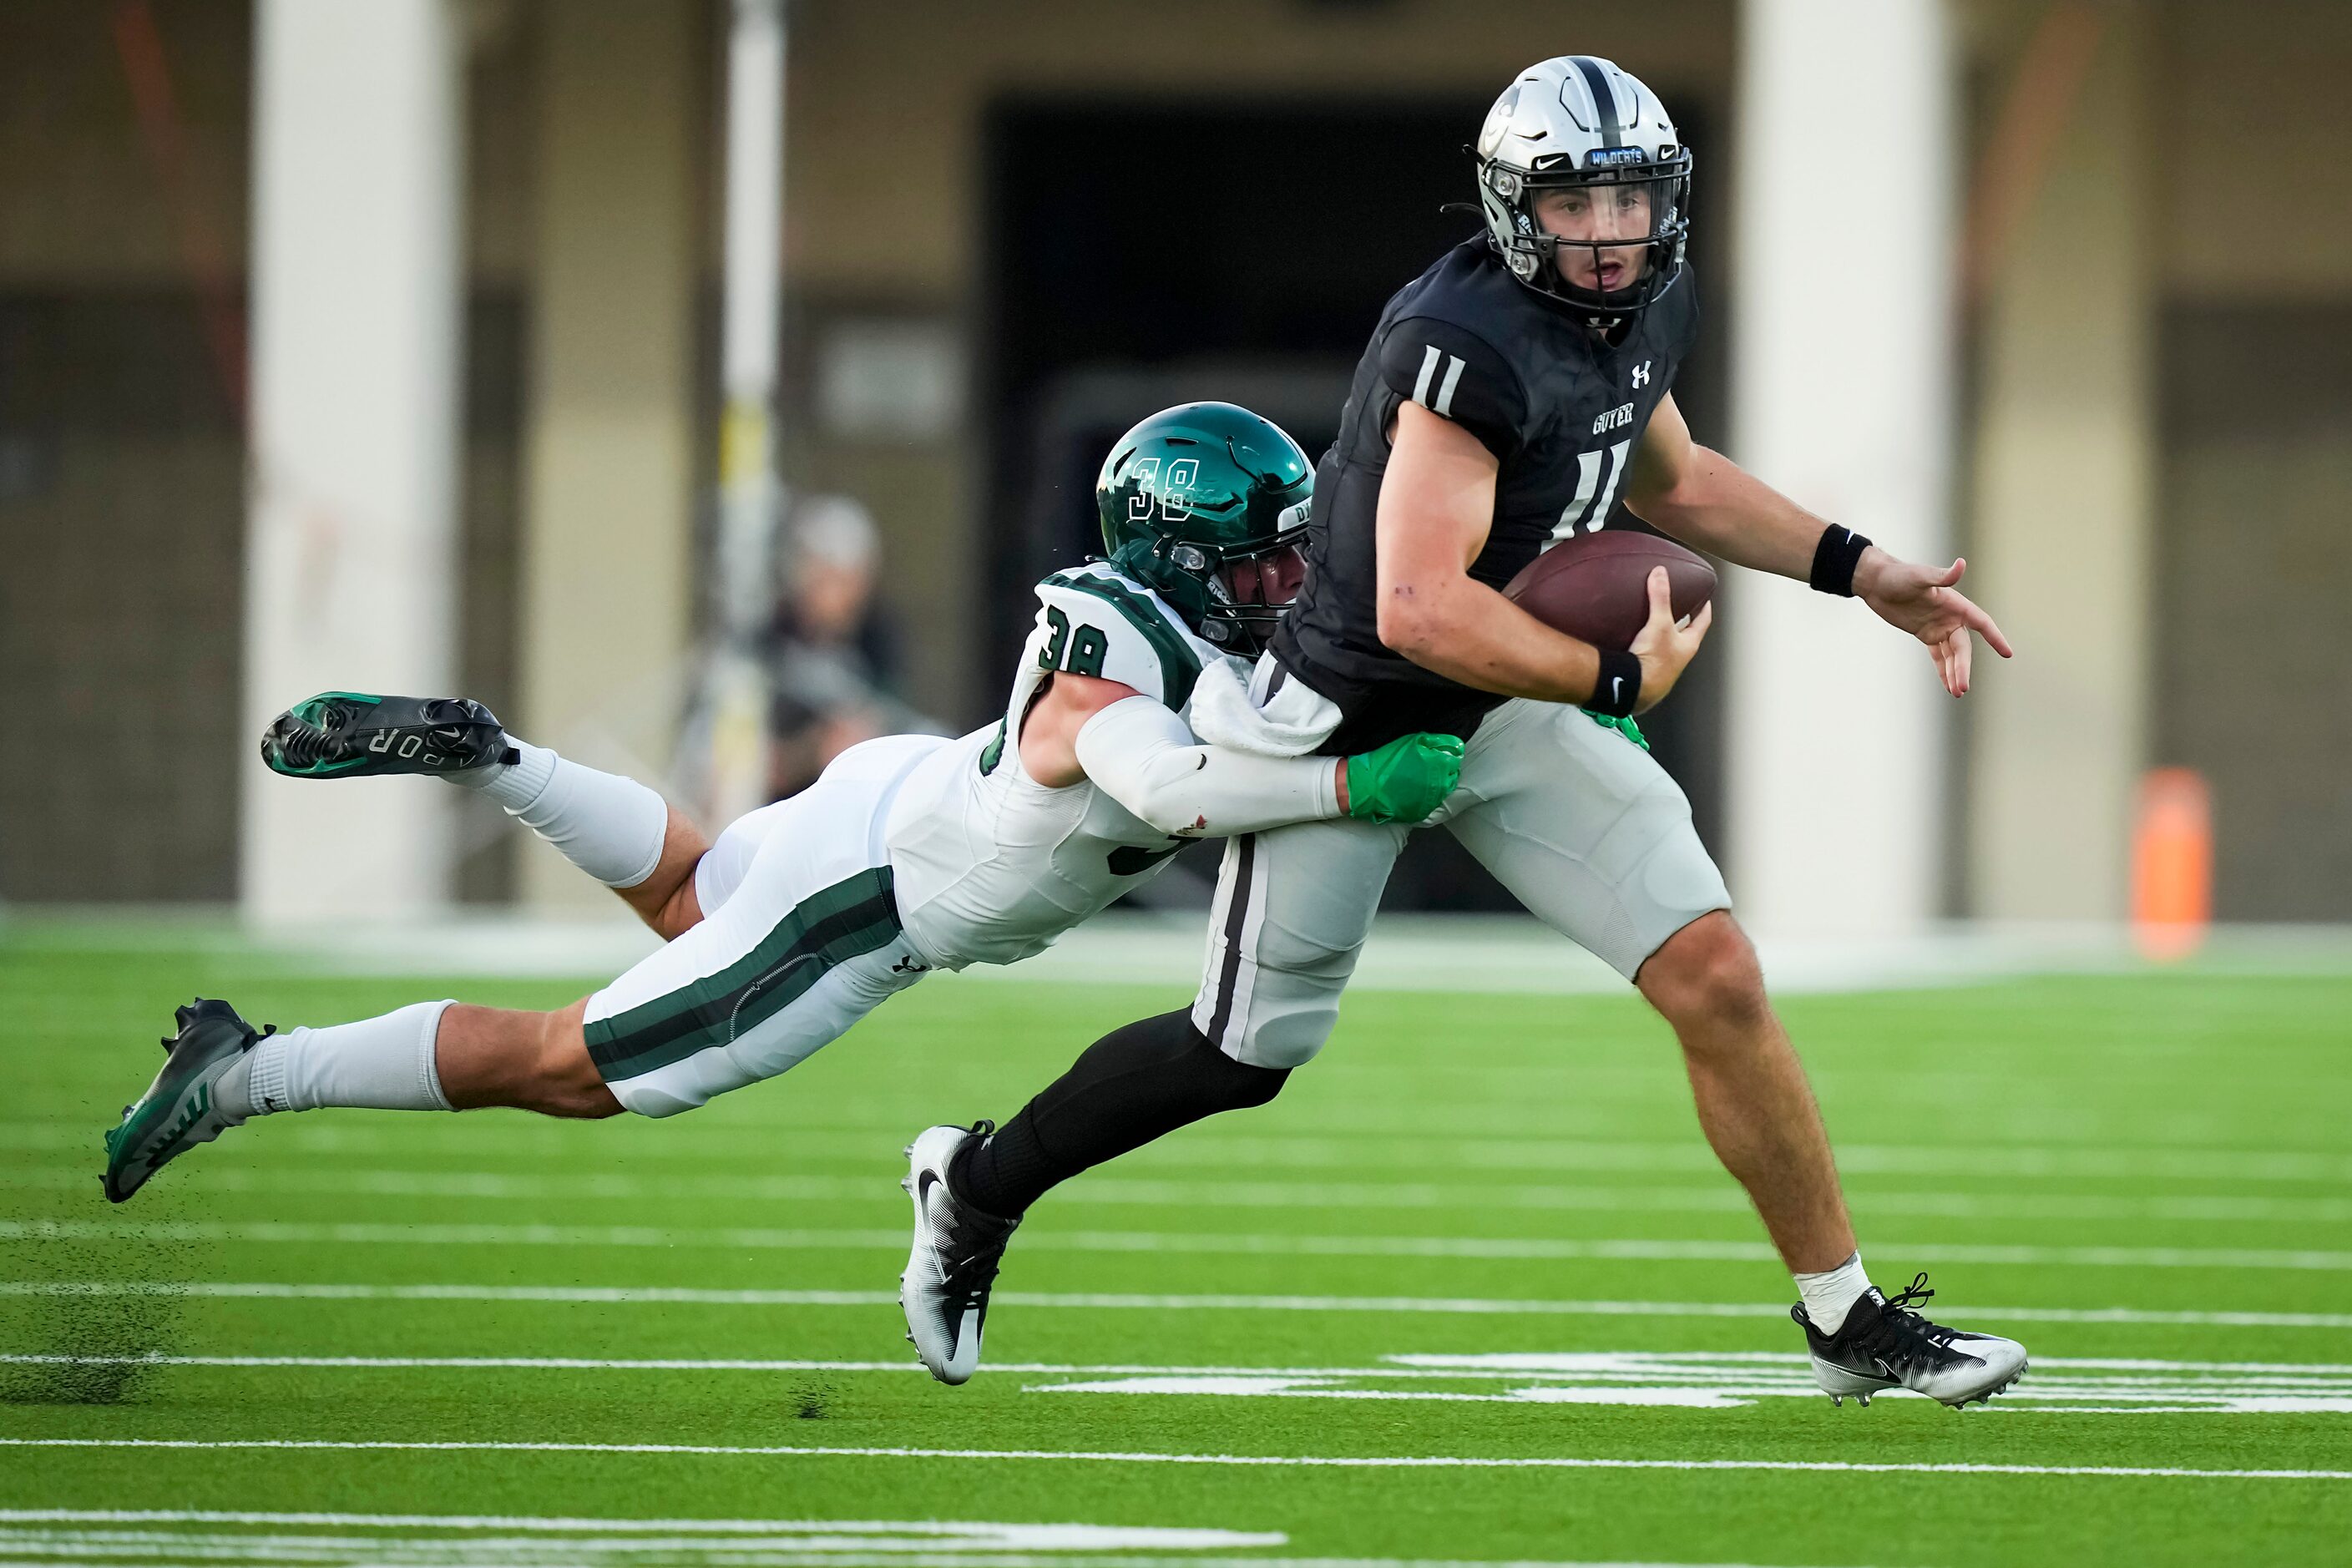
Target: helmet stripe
[{"x": 1604, "y": 99}]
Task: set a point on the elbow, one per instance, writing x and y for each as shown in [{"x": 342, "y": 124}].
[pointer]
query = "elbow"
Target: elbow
[
  {"x": 1176, "y": 819},
  {"x": 1172, "y": 809},
  {"x": 1407, "y": 625}
]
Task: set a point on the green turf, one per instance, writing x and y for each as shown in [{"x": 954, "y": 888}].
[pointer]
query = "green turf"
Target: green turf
[{"x": 2172, "y": 1144}]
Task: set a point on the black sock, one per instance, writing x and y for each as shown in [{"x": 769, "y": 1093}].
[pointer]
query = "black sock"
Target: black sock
[
  {"x": 1008, "y": 1167},
  {"x": 1129, "y": 1087}
]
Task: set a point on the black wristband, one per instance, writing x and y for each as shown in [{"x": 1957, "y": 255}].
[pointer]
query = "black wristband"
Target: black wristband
[
  {"x": 1835, "y": 559},
  {"x": 1618, "y": 690}
]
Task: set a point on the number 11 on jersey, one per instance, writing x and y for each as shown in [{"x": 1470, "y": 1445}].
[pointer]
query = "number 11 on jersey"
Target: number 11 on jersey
[{"x": 1582, "y": 511}]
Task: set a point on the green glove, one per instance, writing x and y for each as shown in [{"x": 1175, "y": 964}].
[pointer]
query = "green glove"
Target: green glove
[
  {"x": 1626, "y": 727},
  {"x": 1406, "y": 780}
]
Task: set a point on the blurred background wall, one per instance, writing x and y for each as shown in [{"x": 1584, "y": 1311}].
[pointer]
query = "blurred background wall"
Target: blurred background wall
[{"x": 1010, "y": 230}]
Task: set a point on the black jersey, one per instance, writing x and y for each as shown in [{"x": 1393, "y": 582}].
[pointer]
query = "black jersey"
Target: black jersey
[{"x": 1561, "y": 410}]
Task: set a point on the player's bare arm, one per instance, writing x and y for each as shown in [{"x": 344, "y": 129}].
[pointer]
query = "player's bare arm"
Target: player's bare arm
[
  {"x": 1436, "y": 506},
  {"x": 1705, "y": 500},
  {"x": 1049, "y": 736}
]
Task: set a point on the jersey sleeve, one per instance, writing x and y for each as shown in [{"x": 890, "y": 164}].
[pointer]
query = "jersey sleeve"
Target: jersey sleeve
[
  {"x": 1453, "y": 373},
  {"x": 1101, "y": 626}
]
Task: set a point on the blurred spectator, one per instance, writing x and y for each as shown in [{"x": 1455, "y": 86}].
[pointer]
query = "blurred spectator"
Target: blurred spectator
[{"x": 832, "y": 649}]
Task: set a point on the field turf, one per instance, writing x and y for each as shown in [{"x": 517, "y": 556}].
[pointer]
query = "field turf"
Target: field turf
[{"x": 1471, "y": 1289}]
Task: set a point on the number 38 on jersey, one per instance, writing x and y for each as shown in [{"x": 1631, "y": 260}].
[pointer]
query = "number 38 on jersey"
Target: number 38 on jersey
[{"x": 1078, "y": 650}]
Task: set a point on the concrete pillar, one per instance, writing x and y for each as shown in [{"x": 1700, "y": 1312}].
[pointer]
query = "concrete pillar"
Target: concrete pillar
[
  {"x": 608, "y": 535},
  {"x": 350, "y": 565},
  {"x": 2065, "y": 516},
  {"x": 1840, "y": 398}
]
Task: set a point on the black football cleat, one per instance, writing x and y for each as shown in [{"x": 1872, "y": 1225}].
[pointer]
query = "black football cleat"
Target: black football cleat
[
  {"x": 178, "y": 1111},
  {"x": 350, "y": 735},
  {"x": 1884, "y": 1344}
]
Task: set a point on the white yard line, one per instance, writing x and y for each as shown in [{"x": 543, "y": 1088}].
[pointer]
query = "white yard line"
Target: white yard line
[
  {"x": 663, "y": 1295},
  {"x": 1563, "y": 1148},
  {"x": 1583, "y": 1146},
  {"x": 569, "y": 1525},
  {"x": 41, "y": 1549},
  {"x": 629, "y": 1534},
  {"x": 1688, "y": 1364},
  {"x": 733, "y": 1239},
  {"x": 1270, "y": 1461},
  {"x": 932, "y": 1540},
  {"x": 1720, "y": 1197}
]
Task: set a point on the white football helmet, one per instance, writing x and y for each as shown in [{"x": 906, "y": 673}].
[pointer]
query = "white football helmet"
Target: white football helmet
[{"x": 1580, "y": 122}]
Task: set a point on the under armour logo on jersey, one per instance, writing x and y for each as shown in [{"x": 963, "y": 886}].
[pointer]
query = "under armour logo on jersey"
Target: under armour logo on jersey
[
  {"x": 1642, "y": 373},
  {"x": 1448, "y": 375}
]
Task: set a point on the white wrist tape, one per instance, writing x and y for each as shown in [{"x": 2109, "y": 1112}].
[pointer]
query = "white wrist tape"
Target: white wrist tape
[{"x": 1143, "y": 757}]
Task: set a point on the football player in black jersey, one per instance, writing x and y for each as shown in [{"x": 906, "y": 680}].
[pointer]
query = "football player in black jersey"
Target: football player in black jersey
[{"x": 1509, "y": 395}]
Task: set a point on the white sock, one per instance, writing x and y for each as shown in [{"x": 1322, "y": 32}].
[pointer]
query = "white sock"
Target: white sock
[
  {"x": 376, "y": 1064},
  {"x": 1831, "y": 1294},
  {"x": 610, "y": 828}
]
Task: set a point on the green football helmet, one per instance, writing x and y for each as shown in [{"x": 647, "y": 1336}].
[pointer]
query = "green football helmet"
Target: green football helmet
[{"x": 1206, "y": 504}]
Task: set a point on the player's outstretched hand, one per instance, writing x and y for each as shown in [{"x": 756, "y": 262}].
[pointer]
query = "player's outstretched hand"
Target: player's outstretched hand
[
  {"x": 1406, "y": 780},
  {"x": 1925, "y": 602},
  {"x": 1665, "y": 644}
]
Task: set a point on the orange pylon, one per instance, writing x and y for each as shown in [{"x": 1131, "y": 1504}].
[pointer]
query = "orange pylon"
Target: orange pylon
[{"x": 2172, "y": 864}]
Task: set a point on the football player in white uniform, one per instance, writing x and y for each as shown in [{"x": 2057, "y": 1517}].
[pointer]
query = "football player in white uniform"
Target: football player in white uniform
[{"x": 911, "y": 853}]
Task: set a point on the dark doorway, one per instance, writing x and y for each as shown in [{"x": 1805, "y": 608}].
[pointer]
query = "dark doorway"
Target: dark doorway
[
  {"x": 2252, "y": 556},
  {"x": 1140, "y": 255}
]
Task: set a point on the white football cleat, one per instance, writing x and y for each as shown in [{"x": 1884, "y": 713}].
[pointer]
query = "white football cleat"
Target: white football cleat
[
  {"x": 1884, "y": 1344},
  {"x": 944, "y": 1290}
]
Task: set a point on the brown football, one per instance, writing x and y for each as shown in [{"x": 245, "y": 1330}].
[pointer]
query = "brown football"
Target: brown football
[{"x": 1596, "y": 586}]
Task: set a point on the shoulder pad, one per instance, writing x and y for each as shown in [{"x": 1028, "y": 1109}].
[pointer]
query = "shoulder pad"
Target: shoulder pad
[
  {"x": 1455, "y": 374},
  {"x": 1093, "y": 621}
]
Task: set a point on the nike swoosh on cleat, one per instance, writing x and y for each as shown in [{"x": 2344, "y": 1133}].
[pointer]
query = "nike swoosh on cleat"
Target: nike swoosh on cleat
[{"x": 923, "y": 1202}]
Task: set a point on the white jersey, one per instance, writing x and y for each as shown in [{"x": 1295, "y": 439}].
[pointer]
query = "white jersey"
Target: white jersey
[{"x": 992, "y": 867}]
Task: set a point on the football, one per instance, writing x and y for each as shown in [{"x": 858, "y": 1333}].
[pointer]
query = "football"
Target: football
[{"x": 1596, "y": 586}]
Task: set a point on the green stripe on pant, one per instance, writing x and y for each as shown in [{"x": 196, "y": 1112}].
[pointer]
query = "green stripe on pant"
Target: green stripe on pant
[{"x": 829, "y": 927}]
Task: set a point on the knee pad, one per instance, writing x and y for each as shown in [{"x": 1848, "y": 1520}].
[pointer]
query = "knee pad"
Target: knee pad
[{"x": 1278, "y": 1018}]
